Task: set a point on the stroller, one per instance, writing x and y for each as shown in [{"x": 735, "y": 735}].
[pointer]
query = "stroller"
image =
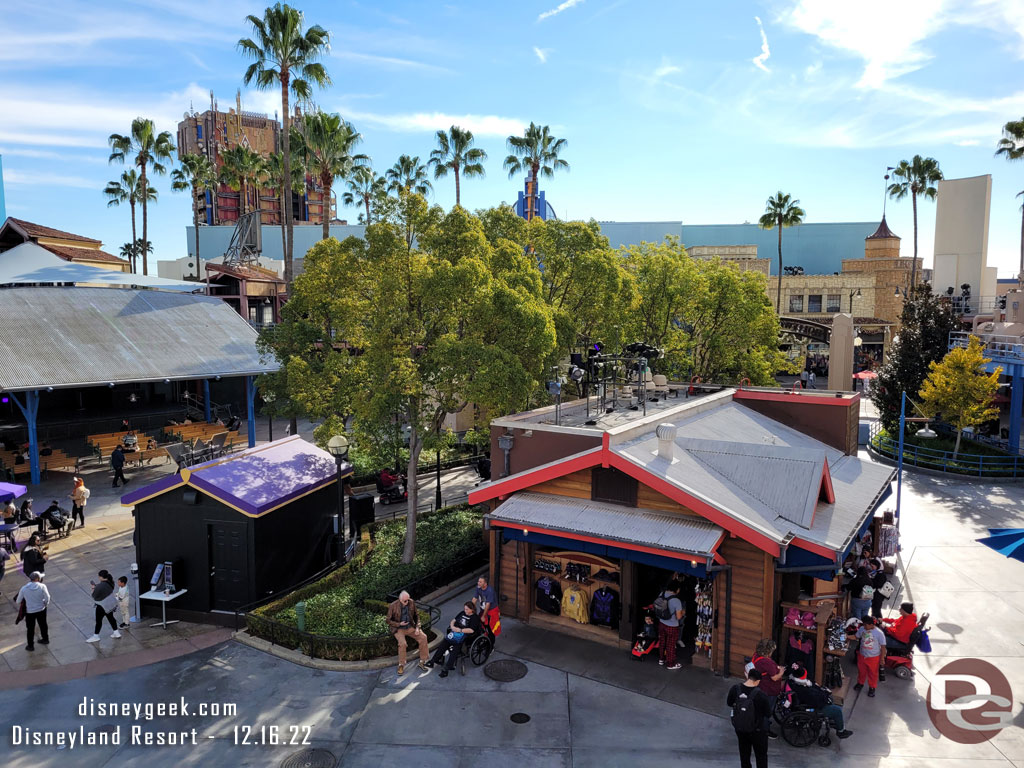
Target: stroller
[{"x": 647, "y": 640}]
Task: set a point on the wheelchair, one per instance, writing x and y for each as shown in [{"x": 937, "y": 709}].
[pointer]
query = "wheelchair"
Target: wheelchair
[
  {"x": 477, "y": 650},
  {"x": 802, "y": 727}
]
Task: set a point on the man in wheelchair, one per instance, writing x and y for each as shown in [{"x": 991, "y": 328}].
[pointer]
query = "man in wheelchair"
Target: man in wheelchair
[
  {"x": 898, "y": 631},
  {"x": 807, "y": 696},
  {"x": 465, "y": 627}
]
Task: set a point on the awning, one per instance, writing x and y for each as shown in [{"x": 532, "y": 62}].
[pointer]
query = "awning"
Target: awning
[{"x": 629, "y": 528}]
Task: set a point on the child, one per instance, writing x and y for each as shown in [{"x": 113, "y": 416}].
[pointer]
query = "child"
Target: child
[
  {"x": 647, "y": 639},
  {"x": 122, "y": 595}
]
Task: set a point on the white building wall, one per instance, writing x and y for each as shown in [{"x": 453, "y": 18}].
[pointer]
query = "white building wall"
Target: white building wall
[{"x": 961, "y": 236}]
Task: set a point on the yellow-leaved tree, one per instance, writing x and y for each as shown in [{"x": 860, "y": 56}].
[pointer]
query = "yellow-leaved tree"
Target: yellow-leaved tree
[{"x": 959, "y": 390}]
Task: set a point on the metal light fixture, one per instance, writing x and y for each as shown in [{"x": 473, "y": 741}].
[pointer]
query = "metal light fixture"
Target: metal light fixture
[
  {"x": 133, "y": 398},
  {"x": 338, "y": 446},
  {"x": 926, "y": 433}
]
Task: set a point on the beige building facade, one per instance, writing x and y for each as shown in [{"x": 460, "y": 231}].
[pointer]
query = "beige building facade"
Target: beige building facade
[{"x": 742, "y": 256}]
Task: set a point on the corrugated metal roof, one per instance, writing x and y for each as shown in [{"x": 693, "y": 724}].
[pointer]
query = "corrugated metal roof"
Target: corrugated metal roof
[
  {"x": 856, "y": 483},
  {"x": 66, "y": 337},
  {"x": 646, "y": 527}
]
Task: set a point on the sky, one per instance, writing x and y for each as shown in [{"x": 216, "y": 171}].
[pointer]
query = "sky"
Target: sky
[{"x": 671, "y": 109}]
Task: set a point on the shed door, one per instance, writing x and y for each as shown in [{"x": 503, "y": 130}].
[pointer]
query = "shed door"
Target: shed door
[{"x": 229, "y": 566}]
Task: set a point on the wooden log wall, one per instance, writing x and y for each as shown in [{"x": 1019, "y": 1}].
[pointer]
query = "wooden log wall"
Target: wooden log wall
[{"x": 753, "y": 593}]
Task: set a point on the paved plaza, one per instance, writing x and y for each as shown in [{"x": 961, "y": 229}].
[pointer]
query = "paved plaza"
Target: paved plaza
[{"x": 588, "y": 705}]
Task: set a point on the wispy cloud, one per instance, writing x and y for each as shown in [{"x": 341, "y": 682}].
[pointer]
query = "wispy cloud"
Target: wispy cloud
[
  {"x": 391, "y": 62},
  {"x": 423, "y": 122},
  {"x": 542, "y": 54},
  {"x": 21, "y": 178},
  {"x": 565, "y": 6},
  {"x": 760, "y": 59},
  {"x": 667, "y": 68}
]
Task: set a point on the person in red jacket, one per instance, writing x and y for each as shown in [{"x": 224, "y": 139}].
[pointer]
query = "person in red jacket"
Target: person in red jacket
[{"x": 900, "y": 628}]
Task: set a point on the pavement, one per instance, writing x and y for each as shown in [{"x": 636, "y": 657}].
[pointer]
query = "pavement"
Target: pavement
[{"x": 588, "y": 705}]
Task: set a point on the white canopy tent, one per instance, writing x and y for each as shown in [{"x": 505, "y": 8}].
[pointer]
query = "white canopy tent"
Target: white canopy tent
[{"x": 31, "y": 264}]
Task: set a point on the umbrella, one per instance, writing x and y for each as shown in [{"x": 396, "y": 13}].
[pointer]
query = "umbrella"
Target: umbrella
[
  {"x": 9, "y": 491},
  {"x": 865, "y": 375},
  {"x": 1006, "y": 541}
]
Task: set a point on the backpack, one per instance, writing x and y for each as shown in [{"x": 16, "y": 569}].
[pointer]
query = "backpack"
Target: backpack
[
  {"x": 662, "y": 608},
  {"x": 744, "y": 718}
]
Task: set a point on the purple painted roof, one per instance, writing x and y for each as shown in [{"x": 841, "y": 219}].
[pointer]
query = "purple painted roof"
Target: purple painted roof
[{"x": 256, "y": 480}]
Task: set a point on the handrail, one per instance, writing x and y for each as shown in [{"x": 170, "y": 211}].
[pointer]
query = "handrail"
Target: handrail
[{"x": 964, "y": 463}]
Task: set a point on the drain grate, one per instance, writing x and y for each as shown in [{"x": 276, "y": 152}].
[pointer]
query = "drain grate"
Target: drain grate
[
  {"x": 310, "y": 758},
  {"x": 105, "y": 728},
  {"x": 506, "y": 670},
  {"x": 519, "y": 718}
]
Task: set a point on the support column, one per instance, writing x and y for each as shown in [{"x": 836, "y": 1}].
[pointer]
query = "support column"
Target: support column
[
  {"x": 29, "y": 410},
  {"x": 1016, "y": 400},
  {"x": 206, "y": 399},
  {"x": 250, "y": 405}
]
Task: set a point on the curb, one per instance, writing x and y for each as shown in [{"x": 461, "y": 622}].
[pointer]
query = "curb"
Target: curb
[{"x": 296, "y": 657}]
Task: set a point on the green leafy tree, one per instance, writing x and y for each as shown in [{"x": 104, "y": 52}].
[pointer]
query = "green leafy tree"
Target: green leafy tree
[
  {"x": 148, "y": 150},
  {"x": 325, "y": 143},
  {"x": 241, "y": 169},
  {"x": 408, "y": 175},
  {"x": 128, "y": 190},
  {"x": 959, "y": 390},
  {"x": 536, "y": 153},
  {"x": 1011, "y": 147},
  {"x": 416, "y": 332},
  {"x": 274, "y": 171},
  {"x": 781, "y": 211},
  {"x": 364, "y": 187},
  {"x": 286, "y": 55},
  {"x": 916, "y": 179},
  {"x": 196, "y": 174},
  {"x": 455, "y": 152},
  {"x": 925, "y": 324}
]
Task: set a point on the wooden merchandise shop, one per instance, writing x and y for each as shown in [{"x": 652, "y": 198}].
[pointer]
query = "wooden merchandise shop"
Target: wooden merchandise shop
[{"x": 750, "y": 517}]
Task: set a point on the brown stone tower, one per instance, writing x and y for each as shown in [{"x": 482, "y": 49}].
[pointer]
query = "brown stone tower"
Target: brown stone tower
[{"x": 882, "y": 260}]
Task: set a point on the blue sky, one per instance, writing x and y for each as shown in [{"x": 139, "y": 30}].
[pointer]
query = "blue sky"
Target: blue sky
[{"x": 673, "y": 109}]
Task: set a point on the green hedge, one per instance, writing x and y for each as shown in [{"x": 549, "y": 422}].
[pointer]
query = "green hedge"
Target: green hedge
[{"x": 346, "y": 608}]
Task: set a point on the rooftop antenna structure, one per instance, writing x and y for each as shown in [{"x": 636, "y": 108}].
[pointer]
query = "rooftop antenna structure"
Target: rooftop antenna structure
[
  {"x": 885, "y": 187},
  {"x": 246, "y": 242}
]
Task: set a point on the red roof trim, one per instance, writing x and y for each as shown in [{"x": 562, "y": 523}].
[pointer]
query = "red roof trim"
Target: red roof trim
[
  {"x": 791, "y": 397},
  {"x": 536, "y": 476},
  {"x": 818, "y": 549},
  {"x": 702, "y": 508},
  {"x": 672, "y": 553},
  {"x": 826, "y": 486}
]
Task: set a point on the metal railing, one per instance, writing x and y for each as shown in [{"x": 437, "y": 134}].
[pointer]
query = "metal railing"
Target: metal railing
[
  {"x": 977, "y": 305},
  {"x": 943, "y": 461},
  {"x": 996, "y": 346},
  {"x": 444, "y": 575}
]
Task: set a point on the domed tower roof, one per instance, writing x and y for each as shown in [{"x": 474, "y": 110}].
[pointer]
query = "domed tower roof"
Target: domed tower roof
[{"x": 883, "y": 232}]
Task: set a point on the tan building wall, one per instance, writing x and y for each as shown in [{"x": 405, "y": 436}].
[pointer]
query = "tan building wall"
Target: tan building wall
[
  {"x": 743, "y": 256},
  {"x": 817, "y": 297}
]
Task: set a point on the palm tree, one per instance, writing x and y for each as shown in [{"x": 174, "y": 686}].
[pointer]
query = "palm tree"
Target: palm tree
[
  {"x": 198, "y": 174},
  {"x": 240, "y": 168},
  {"x": 325, "y": 143},
  {"x": 408, "y": 174},
  {"x": 455, "y": 152},
  {"x": 128, "y": 254},
  {"x": 781, "y": 211},
  {"x": 535, "y": 152},
  {"x": 917, "y": 178},
  {"x": 286, "y": 55},
  {"x": 1011, "y": 146},
  {"x": 363, "y": 186},
  {"x": 151, "y": 150},
  {"x": 128, "y": 190},
  {"x": 275, "y": 177}
]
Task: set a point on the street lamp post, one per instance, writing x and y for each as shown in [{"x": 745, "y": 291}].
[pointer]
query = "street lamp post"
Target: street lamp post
[
  {"x": 338, "y": 446},
  {"x": 925, "y": 433},
  {"x": 437, "y": 490},
  {"x": 268, "y": 399},
  {"x": 852, "y": 295}
]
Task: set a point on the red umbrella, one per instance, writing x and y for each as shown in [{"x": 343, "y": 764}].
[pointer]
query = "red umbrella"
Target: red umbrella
[{"x": 865, "y": 375}]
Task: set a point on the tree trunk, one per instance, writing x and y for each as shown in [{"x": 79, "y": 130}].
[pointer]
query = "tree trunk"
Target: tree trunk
[
  {"x": 457, "y": 198},
  {"x": 195, "y": 221},
  {"x": 145, "y": 218},
  {"x": 135, "y": 238},
  {"x": 913, "y": 267},
  {"x": 1020, "y": 275},
  {"x": 325, "y": 207},
  {"x": 284, "y": 240},
  {"x": 366, "y": 202},
  {"x": 286, "y": 146},
  {"x": 956, "y": 448},
  {"x": 415, "y": 446},
  {"x": 778, "y": 295}
]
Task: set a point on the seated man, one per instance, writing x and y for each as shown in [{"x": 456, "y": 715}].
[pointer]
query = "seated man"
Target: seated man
[
  {"x": 807, "y": 695},
  {"x": 898, "y": 630},
  {"x": 54, "y": 516},
  {"x": 387, "y": 480},
  {"x": 462, "y": 627},
  {"x": 131, "y": 442}
]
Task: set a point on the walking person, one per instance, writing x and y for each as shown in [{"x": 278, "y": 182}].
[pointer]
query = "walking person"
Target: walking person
[
  {"x": 106, "y": 603},
  {"x": 33, "y": 558},
  {"x": 36, "y": 597},
  {"x": 669, "y": 610},
  {"x": 79, "y": 497},
  {"x": 117, "y": 464},
  {"x": 749, "y": 711},
  {"x": 771, "y": 684},
  {"x": 870, "y": 655},
  {"x": 404, "y": 622},
  {"x": 861, "y": 594},
  {"x": 811, "y": 378},
  {"x": 122, "y": 593},
  {"x": 804, "y": 375}
]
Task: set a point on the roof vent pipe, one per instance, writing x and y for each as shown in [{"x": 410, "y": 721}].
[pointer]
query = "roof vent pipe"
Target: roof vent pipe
[{"x": 666, "y": 440}]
